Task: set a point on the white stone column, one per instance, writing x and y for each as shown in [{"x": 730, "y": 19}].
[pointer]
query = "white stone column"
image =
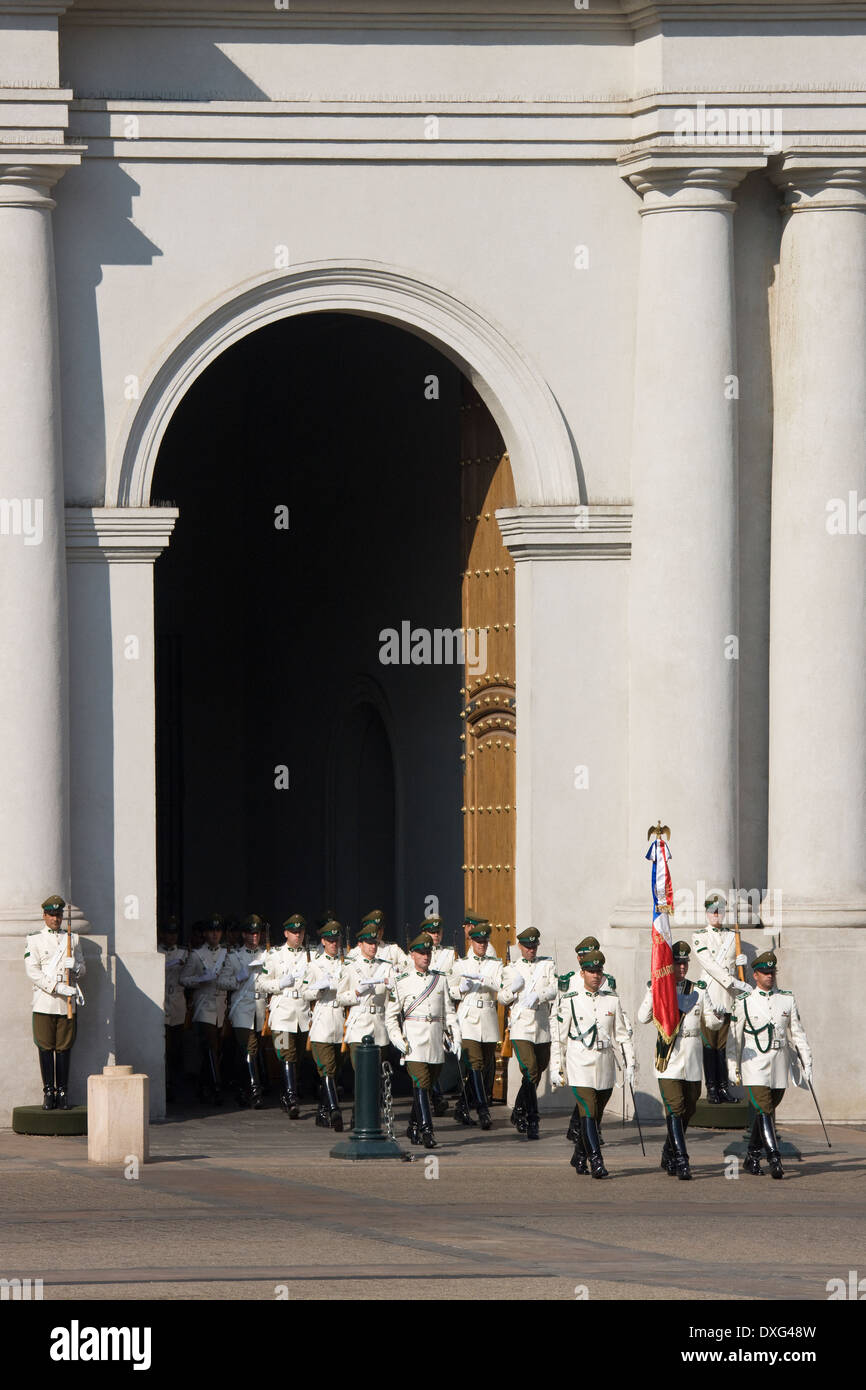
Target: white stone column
[
  {"x": 817, "y": 794},
  {"x": 34, "y": 805},
  {"x": 682, "y": 580}
]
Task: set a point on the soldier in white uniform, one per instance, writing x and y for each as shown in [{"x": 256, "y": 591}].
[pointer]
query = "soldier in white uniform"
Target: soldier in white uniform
[
  {"x": 716, "y": 959},
  {"x": 54, "y": 974},
  {"x": 419, "y": 1015},
  {"x": 765, "y": 1037},
  {"x": 680, "y": 1079},
  {"x": 442, "y": 959},
  {"x": 387, "y": 950},
  {"x": 321, "y": 986},
  {"x": 590, "y": 1021},
  {"x": 365, "y": 985},
  {"x": 247, "y": 1008},
  {"x": 475, "y": 982},
  {"x": 581, "y": 950},
  {"x": 204, "y": 974},
  {"x": 289, "y": 1012},
  {"x": 175, "y": 1005},
  {"x": 529, "y": 987}
]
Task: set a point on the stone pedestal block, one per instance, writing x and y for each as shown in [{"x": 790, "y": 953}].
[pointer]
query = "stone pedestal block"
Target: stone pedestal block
[{"x": 118, "y": 1104}]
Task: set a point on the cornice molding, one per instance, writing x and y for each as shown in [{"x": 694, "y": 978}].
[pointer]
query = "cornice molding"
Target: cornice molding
[
  {"x": 597, "y": 531},
  {"x": 118, "y": 535}
]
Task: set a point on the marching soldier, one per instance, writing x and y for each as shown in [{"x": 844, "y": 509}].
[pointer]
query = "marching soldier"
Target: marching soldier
[
  {"x": 420, "y": 1016},
  {"x": 589, "y": 1022},
  {"x": 387, "y": 950},
  {"x": 364, "y": 988},
  {"x": 715, "y": 948},
  {"x": 204, "y": 974},
  {"x": 475, "y": 982},
  {"x": 680, "y": 1080},
  {"x": 282, "y": 978},
  {"x": 530, "y": 987},
  {"x": 441, "y": 959},
  {"x": 247, "y": 1008},
  {"x": 584, "y": 948},
  {"x": 55, "y": 974},
  {"x": 175, "y": 1005},
  {"x": 321, "y": 985},
  {"x": 767, "y": 1040}
]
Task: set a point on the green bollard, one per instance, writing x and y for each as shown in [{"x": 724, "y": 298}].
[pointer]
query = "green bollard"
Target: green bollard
[{"x": 367, "y": 1139}]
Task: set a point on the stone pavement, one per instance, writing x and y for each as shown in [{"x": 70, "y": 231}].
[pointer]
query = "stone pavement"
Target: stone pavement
[{"x": 248, "y": 1205}]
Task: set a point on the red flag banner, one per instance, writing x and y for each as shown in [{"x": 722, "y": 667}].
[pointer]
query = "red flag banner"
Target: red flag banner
[{"x": 666, "y": 1012}]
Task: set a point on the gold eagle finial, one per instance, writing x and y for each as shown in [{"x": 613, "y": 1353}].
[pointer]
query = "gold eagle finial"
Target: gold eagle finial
[{"x": 659, "y": 830}]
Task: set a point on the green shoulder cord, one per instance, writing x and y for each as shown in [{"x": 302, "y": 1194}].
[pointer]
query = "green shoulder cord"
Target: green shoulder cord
[
  {"x": 587, "y": 1039},
  {"x": 755, "y": 1032}
]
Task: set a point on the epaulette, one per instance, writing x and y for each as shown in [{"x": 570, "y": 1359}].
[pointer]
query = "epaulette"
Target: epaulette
[
  {"x": 611, "y": 980},
  {"x": 403, "y": 975},
  {"x": 700, "y": 984},
  {"x": 784, "y": 991}
]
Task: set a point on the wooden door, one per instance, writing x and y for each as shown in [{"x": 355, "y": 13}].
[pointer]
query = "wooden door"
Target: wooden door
[{"x": 488, "y": 712}]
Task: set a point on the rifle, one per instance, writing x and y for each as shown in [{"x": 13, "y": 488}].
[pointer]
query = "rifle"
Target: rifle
[
  {"x": 737, "y": 942},
  {"x": 266, "y": 1026},
  {"x": 69, "y": 953},
  {"x": 343, "y": 1045}
]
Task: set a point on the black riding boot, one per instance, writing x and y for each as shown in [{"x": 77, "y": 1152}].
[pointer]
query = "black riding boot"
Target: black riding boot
[
  {"x": 668, "y": 1160},
  {"x": 323, "y": 1119},
  {"x": 518, "y": 1114},
  {"x": 711, "y": 1077},
  {"x": 752, "y": 1161},
  {"x": 481, "y": 1100},
  {"x": 589, "y": 1133},
  {"x": 427, "y": 1139},
  {"x": 412, "y": 1131},
  {"x": 677, "y": 1137},
  {"x": 573, "y": 1132},
  {"x": 578, "y": 1158},
  {"x": 255, "y": 1096},
  {"x": 725, "y": 1097},
  {"x": 440, "y": 1104},
  {"x": 771, "y": 1145},
  {"x": 531, "y": 1110},
  {"x": 461, "y": 1109},
  {"x": 61, "y": 1072},
  {"x": 335, "y": 1113},
  {"x": 289, "y": 1091},
  {"x": 46, "y": 1066}
]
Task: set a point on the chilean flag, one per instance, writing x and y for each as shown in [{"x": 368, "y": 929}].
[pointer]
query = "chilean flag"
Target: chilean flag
[{"x": 666, "y": 1012}]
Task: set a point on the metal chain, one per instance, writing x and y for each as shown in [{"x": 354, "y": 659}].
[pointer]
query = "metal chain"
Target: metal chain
[{"x": 387, "y": 1107}]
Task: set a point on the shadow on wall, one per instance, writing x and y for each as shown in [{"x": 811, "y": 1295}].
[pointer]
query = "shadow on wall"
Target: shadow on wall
[
  {"x": 139, "y": 994},
  {"x": 93, "y": 228}
]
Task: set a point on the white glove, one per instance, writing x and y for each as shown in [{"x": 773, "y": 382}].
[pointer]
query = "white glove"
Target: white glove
[
  {"x": 286, "y": 981},
  {"x": 466, "y": 983},
  {"x": 402, "y": 1046},
  {"x": 68, "y": 991},
  {"x": 518, "y": 984},
  {"x": 242, "y": 976},
  {"x": 207, "y": 978},
  {"x": 258, "y": 960},
  {"x": 740, "y": 988},
  {"x": 741, "y": 959},
  {"x": 68, "y": 962},
  {"x": 530, "y": 1000},
  {"x": 366, "y": 986},
  {"x": 556, "y": 1079},
  {"x": 629, "y": 1076},
  {"x": 325, "y": 982}
]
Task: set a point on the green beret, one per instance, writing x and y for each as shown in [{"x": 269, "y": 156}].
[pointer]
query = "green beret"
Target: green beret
[
  {"x": 252, "y": 923},
  {"x": 682, "y": 950},
  {"x": 53, "y": 904},
  {"x": 765, "y": 961},
  {"x": 331, "y": 929},
  {"x": 376, "y": 917},
  {"x": 592, "y": 960},
  {"x": 422, "y": 942},
  {"x": 472, "y": 919},
  {"x": 367, "y": 932},
  {"x": 529, "y": 937},
  {"x": 715, "y": 903},
  {"x": 297, "y": 922},
  {"x": 589, "y": 943}
]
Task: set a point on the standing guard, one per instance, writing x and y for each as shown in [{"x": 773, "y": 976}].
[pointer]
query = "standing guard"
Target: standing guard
[
  {"x": 204, "y": 973},
  {"x": 589, "y": 1022},
  {"x": 767, "y": 1040},
  {"x": 55, "y": 973},
  {"x": 320, "y": 987},
  {"x": 441, "y": 959},
  {"x": 680, "y": 1076},
  {"x": 364, "y": 988},
  {"x": 175, "y": 1005},
  {"x": 419, "y": 1017},
  {"x": 475, "y": 981},
  {"x": 716, "y": 951},
  {"x": 247, "y": 1008},
  {"x": 530, "y": 987},
  {"x": 289, "y": 1016}
]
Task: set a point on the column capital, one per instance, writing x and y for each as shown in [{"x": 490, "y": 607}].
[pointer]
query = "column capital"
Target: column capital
[
  {"x": 825, "y": 179},
  {"x": 675, "y": 177},
  {"x": 598, "y": 531},
  {"x": 118, "y": 535},
  {"x": 27, "y": 174}
]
